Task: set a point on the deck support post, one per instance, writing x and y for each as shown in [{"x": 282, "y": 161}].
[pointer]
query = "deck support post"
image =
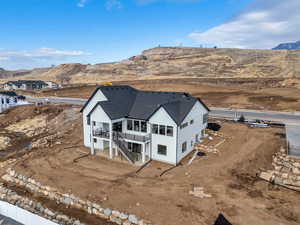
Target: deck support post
[
  {"x": 92, "y": 139},
  {"x": 110, "y": 141},
  {"x": 143, "y": 152}
]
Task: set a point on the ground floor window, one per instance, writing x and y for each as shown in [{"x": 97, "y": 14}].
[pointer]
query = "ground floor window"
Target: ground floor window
[
  {"x": 183, "y": 147},
  {"x": 134, "y": 147},
  {"x": 162, "y": 149}
]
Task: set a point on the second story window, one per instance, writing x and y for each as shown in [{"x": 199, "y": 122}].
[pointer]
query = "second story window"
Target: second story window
[
  {"x": 88, "y": 118},
  {"x": 155, "y": 129},
  {"x": 169, "y": 131},
  {"x": 162, "y": 129},
  {"x": 205, "y": 118},
  {"x": 129, "y": 125},
  {"x": 184, "y": 125},
  {"x": 143, "y": 126},
  {"x": 136, "y": 125}
]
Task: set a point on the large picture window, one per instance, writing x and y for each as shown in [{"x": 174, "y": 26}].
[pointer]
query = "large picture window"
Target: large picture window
[
  {"x": 170, "y": 131},
  {"x": 161, "y": 149},
  {"x": 129, "y": 125}
]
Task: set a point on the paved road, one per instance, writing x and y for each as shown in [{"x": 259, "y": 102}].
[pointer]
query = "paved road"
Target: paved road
[{"x": 285, "y": 117}]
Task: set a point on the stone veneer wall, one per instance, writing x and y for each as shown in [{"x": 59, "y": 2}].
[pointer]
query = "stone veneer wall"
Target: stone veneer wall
[{"x": 115, "y": 216}]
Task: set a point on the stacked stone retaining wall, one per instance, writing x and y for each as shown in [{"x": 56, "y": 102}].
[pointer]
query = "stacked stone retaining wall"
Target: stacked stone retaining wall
[{"x": 70, "y": 200}]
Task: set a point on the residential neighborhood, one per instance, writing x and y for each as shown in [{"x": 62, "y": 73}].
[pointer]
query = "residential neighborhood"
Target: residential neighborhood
[{"x": 29, "y": 85}]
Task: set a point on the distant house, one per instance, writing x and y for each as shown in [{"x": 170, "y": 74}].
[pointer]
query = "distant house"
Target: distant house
[
  {"x": 138, "y": 126},
  {"x": 52, "y": 84},
  {"x": 25, "y": 85},
  {"x": 9, "y": 99}
]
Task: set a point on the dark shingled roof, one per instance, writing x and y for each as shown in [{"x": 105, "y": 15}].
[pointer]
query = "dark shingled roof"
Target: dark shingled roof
[
  {"x": 20, "y": 82},
  {"x": 8, "y": 93},
  {"x": 125, "y": 101}
]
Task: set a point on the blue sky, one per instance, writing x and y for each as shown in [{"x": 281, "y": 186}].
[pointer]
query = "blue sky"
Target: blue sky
[{"x": 37, "y": 33}]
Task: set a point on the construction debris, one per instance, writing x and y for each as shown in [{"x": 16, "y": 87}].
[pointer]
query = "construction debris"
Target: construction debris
[
  {"x": 286, "y": 171},
  {"x": 199, "y": 193}
]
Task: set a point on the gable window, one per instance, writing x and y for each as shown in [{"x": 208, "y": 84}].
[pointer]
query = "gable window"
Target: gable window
[
  {"x": 154, "y": 128},
  {"x": 88, "y": 118},
  {"x": 136, "y": 125},
  {"x": 192, "y": 121},
  {"x": 169, "y": 131},
  {"x": 94, "y": 123},
  {"x": 205, "y": 118},
  {"x": 183, "y": 148},
  {"x": 162, "y": 130},
  {"x": 161, "y": 149},
  {"x": 129, "y": 125},
  {"x": 184, "y": 125},
  {"x": 143, "y": 126}
]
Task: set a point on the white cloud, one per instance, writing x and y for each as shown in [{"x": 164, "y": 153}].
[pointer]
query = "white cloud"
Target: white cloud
[
  {"x": 265, "y": 24},
  {"x": 110, "y": 4},
  {"x": 36, "y": 58},
  {"x": 41, "y": 53},
  {"x": 82, "y": 3}
]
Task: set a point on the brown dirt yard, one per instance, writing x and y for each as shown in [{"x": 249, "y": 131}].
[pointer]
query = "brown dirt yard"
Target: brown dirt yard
[
  {"x": 229, "y": 176},
  {"x": 259, "y": 94}
]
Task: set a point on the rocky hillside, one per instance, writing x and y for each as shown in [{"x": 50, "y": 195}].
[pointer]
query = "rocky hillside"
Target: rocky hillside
[
  {"x": 288, "y": 46},
  {"x": 183, "y": 61}
]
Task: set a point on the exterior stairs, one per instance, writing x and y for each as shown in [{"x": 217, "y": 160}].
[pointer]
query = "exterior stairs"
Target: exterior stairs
[{"x": 119, "y": 141}]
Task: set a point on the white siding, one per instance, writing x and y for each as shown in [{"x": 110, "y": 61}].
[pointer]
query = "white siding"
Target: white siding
[
  {"x": 189, "y": 133},
  {"x": 99, "y": 96},
  {"x": 161, "y": 117}
]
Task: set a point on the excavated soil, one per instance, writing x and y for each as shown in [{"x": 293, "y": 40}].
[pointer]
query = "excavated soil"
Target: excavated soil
[
  {"x": 260, "y": 94},
  {"x": 229, "y": 176}
]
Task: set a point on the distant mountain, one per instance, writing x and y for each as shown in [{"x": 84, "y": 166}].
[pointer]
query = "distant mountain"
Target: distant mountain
[
  {"x": 174, "y": 61},
  {"x": 288, "y": 46}
]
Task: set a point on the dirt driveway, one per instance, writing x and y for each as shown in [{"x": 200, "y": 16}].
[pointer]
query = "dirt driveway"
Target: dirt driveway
[{"x": 229, "y": 176}]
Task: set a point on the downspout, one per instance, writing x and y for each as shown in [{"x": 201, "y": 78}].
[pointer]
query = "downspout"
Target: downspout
[
  {"x": 176, "y": 144},
  {"x": 92, "y": 139}
]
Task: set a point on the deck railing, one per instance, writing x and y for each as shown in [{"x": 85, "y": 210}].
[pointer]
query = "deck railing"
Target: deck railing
[
  {"x": 116, "y": 135},
  {"x": 132, "y": 137}
]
